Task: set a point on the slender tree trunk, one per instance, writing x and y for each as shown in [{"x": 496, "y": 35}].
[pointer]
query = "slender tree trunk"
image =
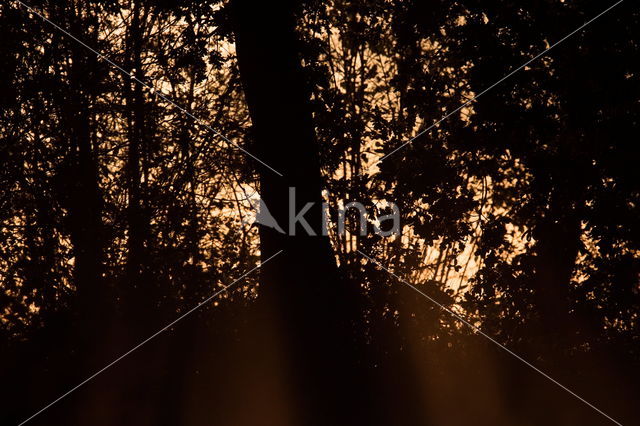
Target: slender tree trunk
[
  {"x": 85, "y": 215},
  {"x": 86, "y": 227},
  {"x": 136, "y": 216}
]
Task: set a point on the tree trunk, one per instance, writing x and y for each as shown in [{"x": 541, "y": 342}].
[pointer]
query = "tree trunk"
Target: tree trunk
[
  {"x": 139, "y": 287},
  {"x": 557, "y": 245},
  {"x": 300, "y": 289},
  {"x": 85, "y": 198}
]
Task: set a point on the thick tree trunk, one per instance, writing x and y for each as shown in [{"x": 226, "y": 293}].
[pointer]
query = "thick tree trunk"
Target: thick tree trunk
[{"x": 313, "y": 308}]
